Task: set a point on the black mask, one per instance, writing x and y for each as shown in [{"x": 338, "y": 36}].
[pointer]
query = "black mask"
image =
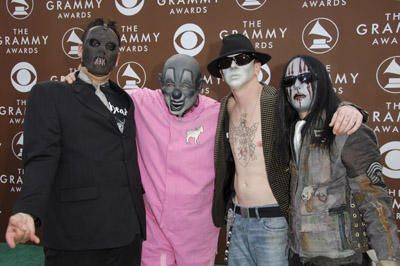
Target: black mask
[{"x": 100, "y": 51}]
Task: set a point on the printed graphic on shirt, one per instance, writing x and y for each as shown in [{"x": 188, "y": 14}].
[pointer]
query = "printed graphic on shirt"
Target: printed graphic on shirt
[
  {"x": 119, "y": 114},
  {"x": 195, "y": 134},
  {"x": 120, "y": 124}
]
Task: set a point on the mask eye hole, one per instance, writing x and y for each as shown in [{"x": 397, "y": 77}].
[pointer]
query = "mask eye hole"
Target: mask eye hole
[
  {"x": 110, "y": 46},
  {"x": 94, "y": 42}
]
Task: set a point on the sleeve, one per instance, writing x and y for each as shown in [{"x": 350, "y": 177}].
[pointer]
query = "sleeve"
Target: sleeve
[
  {"x": 362, "y": 111},
  {"x": 41, "y": 151},
  {"x": 361, "y": 155},
  {"x": 137, "y": 94}
]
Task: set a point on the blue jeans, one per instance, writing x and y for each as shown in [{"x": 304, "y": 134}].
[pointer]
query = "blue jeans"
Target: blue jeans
[{"x": 258, "y": 241}]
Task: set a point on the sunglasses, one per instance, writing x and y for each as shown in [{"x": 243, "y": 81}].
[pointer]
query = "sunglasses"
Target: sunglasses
[
  {"x": 303, "y": 78},
  {"x": 240, "y": 60}
]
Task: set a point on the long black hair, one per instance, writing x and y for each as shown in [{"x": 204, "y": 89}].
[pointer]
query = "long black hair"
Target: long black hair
[{"x": 325, "y": 104}]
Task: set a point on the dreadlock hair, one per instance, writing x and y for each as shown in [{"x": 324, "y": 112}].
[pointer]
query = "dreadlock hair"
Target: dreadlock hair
[
  {"x": 100, "y": 22},
  {"x": 324, "y": 105}
]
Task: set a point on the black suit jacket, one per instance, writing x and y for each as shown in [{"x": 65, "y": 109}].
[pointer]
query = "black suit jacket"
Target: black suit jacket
[{"x": 81, "y": 175}]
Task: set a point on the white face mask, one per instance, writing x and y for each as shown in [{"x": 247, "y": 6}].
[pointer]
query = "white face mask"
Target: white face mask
[
  {"x": 300, "y": 93},
  {"x": 237, "y": 76}
]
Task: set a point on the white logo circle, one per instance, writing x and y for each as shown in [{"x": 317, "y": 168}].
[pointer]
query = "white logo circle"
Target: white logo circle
[
  {"x": 189, "y": 39},
  {"x": 20, "y": 9},
  {"x": 131, "y": 75},
  {"x": 388, "y": 75},
  {"x": 70, "y": 42},
  {"x": 17, "y": 144},
  {"x": 129, "y": 7},
  {"x": 251, "y": 5},
  {"x": 391, "y": 159},
  {"x": 23, "y": 77},
  {"x": 320, "y": 35}
]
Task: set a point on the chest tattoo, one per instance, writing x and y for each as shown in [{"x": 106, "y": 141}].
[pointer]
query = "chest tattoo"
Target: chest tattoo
[{"x": 243, "y": 142}]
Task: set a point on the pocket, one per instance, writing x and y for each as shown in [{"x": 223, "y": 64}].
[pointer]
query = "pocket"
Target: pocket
[
  {"x": 324, "y": 234},
  {"x": 275, "y": 223},
  {"x": 77, "y": 194}
]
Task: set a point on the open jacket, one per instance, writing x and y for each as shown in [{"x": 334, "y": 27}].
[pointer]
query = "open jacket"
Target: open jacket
[
  {"x": 277, "y": 168},
  {"x": 339, "y": 202}
]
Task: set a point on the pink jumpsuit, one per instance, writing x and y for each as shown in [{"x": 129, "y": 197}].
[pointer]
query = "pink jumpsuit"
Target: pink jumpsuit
[{"x": 176, "y": 160}]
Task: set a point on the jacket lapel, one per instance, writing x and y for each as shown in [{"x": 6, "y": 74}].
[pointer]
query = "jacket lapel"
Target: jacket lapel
[
  {"x": 268, "y": 106},
  {"x": 84, "y": 93},
  {"x": 277, "y": 171}
]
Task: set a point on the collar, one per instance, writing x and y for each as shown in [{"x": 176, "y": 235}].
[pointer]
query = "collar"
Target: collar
[{"x": 85, "y": 78}]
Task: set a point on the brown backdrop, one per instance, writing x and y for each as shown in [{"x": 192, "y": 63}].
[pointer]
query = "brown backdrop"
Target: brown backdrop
[{"x": 357, "y": 40}]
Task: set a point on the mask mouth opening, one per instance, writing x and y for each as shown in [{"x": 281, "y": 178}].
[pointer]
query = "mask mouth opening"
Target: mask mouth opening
[
  {"x": 99, "y": 61},
  {"x": 177, "y": 105}
]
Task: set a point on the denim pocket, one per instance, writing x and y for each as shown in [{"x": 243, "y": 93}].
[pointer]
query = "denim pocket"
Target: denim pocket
[{"x": 274, "y": 223}]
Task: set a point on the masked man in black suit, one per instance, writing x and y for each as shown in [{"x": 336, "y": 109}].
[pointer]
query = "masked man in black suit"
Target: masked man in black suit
[{"x": 82, "y": 180}]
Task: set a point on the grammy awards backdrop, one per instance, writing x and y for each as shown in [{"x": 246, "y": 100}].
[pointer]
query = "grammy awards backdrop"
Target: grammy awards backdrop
[{"x": 357, "y": 40}]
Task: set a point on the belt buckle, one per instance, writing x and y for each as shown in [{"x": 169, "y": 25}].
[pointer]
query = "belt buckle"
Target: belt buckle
[{"x": 244, "y": 212}]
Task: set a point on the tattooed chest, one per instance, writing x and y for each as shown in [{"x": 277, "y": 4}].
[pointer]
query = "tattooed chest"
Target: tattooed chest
[{"x": 244, "y": 140}]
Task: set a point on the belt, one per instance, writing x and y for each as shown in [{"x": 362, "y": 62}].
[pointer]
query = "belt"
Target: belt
[{"x": 262, "y": 212}]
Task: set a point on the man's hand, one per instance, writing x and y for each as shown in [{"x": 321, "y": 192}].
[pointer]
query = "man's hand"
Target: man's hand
[
  {"x": 21, "y": 228},
  {"x": 70, "y": 78},
  {"x": 346, "y": 119}
]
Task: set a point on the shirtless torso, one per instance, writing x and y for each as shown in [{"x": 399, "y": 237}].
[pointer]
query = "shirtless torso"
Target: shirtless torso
[{"x": 251, "y": 181}]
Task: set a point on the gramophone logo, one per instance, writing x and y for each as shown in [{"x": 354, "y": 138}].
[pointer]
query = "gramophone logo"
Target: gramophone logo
[
  {"x": 71, "y": 41},
  {"x": 131, "y": 75},
  {"x": 320, "y": 35},
  {"x": 391, "y": 165},
  {"x": 17, "y": 144},
  {"x": 19, "y": 9},
  {"x": 129, "y": 7},
  {"x": 23, "y": 77},
  {"x": 265, "y": 71},
  {"x": 388, "y": 75},
  {"x": 251, "y": 5},
  {"x": 189, "y": 39}
]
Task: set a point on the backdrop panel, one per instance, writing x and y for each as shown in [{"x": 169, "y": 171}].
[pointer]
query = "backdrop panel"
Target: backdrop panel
[{"x": 357, "y": 40}]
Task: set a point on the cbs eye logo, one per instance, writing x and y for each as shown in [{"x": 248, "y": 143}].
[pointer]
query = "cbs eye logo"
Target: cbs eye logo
[
  {"x": 391, "y": 167},
  {"x": 19, "y": 9},
  {"x": 129, "y": 7},
  {"x": 265, "y": 71},
  {"x": 23, "y": 77},
  {"x": 189, "y": 39}
]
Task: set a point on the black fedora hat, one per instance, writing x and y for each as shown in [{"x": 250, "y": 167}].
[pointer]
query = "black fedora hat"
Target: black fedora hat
[{"x": 235, "y": 44}]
